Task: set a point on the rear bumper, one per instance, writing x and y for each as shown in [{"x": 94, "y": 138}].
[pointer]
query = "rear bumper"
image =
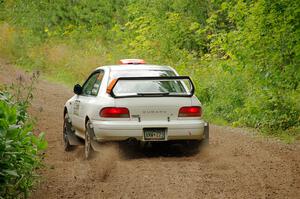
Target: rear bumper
[{"x": 123, "y": 130}]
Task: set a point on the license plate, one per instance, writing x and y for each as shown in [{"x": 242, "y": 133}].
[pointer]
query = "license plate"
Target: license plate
[{"x": 154, "y": 134}]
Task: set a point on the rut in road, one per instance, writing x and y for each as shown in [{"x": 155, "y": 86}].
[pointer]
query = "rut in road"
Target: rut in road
[{"x": 237, "y": 164}]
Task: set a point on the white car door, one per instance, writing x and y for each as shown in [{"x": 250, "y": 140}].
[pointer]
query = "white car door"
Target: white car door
[{"x": 89, "y": 93}]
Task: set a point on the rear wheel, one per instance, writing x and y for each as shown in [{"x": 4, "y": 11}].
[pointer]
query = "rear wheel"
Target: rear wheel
[
  {"x": 88, "y": 140},
  {"x": 67, "y": 128}
]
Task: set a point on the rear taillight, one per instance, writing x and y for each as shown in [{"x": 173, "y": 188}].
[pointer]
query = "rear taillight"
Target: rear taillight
[
  {"x": 190, "y": 111},
  {"x": 115, "y": 112}
]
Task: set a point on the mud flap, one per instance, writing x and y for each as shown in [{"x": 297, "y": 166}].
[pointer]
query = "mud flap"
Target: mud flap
[
  {"x": 96, "y": 146},
  {"x": 206, "y": 130},
  {"x": 73, "y": 139},
  {"x": 206, "y": 134}
]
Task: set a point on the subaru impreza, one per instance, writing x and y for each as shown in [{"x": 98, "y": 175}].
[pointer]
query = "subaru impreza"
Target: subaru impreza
[{"x": 134, "y": 101}]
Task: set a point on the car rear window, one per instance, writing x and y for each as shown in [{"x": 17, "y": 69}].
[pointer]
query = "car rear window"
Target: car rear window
[{"x": 144, "y": 87}]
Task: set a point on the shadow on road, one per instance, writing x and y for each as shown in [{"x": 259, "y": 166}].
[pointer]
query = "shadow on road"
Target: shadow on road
[{"x": 135, "y": 151}]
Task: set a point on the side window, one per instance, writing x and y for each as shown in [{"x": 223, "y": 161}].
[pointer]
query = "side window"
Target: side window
[
  {"x": 92, "y": 85},
  {"x": 97, "y": 84}
]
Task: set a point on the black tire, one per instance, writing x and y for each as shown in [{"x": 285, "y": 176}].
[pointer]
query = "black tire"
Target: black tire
[
  {"x": 67, "y": 127},
  {"x": 193, "y": 146},
  {"x": 88, "y": 139}
]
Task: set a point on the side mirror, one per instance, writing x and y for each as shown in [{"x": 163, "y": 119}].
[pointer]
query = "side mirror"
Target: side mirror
[{"x": 77, "y": 89}]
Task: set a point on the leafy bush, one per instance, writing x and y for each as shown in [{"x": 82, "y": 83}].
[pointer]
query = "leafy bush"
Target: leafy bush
[{"x": 20, "y": 149}]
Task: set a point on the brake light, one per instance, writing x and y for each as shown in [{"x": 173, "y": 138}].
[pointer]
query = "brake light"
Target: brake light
[
  {"x": 190, "y": 111},
  {"x": 115, "y": 112},
  {"x": 132, "y": 61}
]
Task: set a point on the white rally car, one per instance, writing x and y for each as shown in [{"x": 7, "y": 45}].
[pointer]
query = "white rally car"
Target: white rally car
[{"x": 134, "y": 101}]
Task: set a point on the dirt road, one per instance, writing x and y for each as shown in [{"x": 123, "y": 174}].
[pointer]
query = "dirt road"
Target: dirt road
[{"x": 237, "y": 164}]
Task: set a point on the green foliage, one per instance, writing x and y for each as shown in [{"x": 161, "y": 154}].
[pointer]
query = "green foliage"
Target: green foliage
[
  {"x": 20, "y": 150},
  {"x": 264, "y": 41},
  {"x": 242, "y": 55},
  {"x": 62, "y": 16}
]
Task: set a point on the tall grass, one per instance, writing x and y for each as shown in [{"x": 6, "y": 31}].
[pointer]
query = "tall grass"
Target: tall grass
[
  {"x": 63, "y": 60},
  {"x": 21, "y": 151}
]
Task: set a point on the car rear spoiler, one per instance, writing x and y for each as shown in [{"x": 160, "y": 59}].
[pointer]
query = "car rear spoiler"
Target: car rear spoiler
[{"x": 114, "y": 82}]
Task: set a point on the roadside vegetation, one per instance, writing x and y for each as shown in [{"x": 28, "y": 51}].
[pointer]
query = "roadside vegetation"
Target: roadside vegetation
[
  {"x": 21, "y": 151},
  {"x": 244, "y": 56}
]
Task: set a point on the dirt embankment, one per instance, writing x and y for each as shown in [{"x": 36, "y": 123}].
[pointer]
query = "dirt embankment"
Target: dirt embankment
[{"x": 236, "y": 165}]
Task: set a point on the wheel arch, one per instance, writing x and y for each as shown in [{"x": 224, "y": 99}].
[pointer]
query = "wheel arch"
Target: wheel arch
[
  {"x": 86, "y": 119},
  {"x": 65, "y": 111},
  {"x": 91, "y": 126}
]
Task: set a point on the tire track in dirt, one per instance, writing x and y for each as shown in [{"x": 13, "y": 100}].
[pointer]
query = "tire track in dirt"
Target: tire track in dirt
[{"x": 237, "y": 163}]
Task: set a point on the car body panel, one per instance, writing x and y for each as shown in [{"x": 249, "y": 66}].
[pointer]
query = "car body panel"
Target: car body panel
[
  {"x": 123, "y": 130},
  {"x": 154, "y": 108},
  {"x": 145, "y": 112}
]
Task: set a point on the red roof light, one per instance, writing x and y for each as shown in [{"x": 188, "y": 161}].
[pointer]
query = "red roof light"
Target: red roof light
[{"x": 132, "y": 61}]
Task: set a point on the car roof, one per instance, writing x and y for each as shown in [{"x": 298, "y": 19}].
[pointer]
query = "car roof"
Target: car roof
[{"x": 135, "y": 67}]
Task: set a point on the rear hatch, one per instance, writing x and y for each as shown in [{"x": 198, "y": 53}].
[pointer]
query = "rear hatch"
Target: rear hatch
[
  {"x": 153, "y": 98},
  {"x": 153, "y": 108}
]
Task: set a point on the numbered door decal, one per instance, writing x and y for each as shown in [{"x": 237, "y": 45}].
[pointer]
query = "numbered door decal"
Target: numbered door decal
[{"x": 76, "y": 107}]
